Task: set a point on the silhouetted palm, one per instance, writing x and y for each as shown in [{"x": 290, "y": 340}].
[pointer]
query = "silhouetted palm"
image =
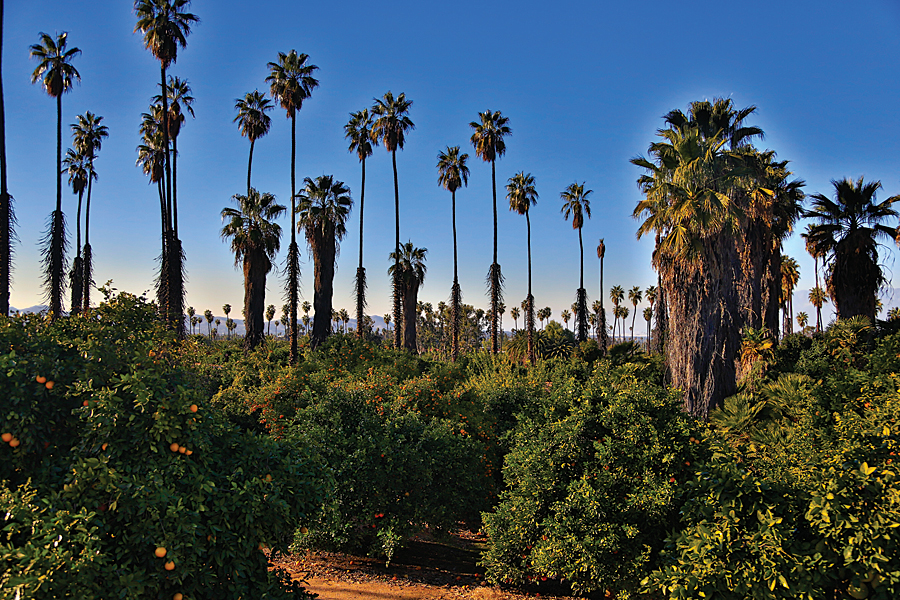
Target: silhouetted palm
[
  {"x": 602, "y": 335},
  {"x": 291, "y": 82},
  {"x": 89, "y": 133},
  {"x": 847, "y": 234},
  {"x": 74, "y": 163},
  {"x": 323, "y": 208},
  {"x": 452, "y": 175},
  {"x": 522, "y": 195},
  {"x": 616, "y": 295},
  {"x": 489, "y": 145},
  {"x": 576, "y": 204},
  {"x": 390, "y": 128},
  {"x": 359, "y": 131},
  {"x": 253, "y": 121},
  {"x": 255, "y": 239},
  {"x": 57, "y": 75},
  {"x": 411, "y": 265},
  {"x": 635, "y": 295},
  {"x": 179, "y": 101},
  {"x": 790, "y": 275}
]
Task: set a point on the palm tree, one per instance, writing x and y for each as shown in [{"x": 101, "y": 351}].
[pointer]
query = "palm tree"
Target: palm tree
[
  {"x": 623, "y": 313},
  {"x": 270, "y": 314},
  {"x": 489, "y": 145},
  {"x": 323, "y": 208},
  {"x": 306, "y": 307},
  {"x": 387, "y": 320},
  {"x": 191, "y": 313},
  {"x": 345, "y": 318},
  {"x": 7, "y": 216},
  {"x": 652, "y": 294},
  {"x": 57, "y": 75},
  {"x": 166, "y": 26},
  {"x": 515, "y": 313},
  {"x": 411, "y": 263},
  {"x": 390, "y": 128},
  {"x": 635, "y": 295},
  {"x": 359, "y": 131},
  {"x": 226, "y": 308},
  {"x": 802, "y": 320},
  {"x": 179, "y": 96},
  {"x": 291, "y": 82},
  {"x": 847, "y": 234},
  {"x": 151, "y": 159},
  {"x": 253, "y": 121},
  {"x": 601, "y": 325},
  {"x": 78, "y": 177},
  {"x": 89, "y": 133},
  {"x": 790, "y": 275},
  {"x": 565, "y": 315},
  {"x": 817, "y": 298},
  {"x": 616, "y": 295},
  {"x": 208, "y": 315},
  {"x": 522, "y": 195},
  {"x": 452, "y": 175},
  {"x": 255, "y": 239},
  {"x": 648, "y": 315}
]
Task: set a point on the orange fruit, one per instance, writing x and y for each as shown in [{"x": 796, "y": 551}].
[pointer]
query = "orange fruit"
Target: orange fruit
[
  {"x": 303, "y": 530},
  {"x": 173, "y": 447},
  {"x": 182, "y": 449},
  {"x": 194, "y": 408},
  {"x": 178, "y": 596},
  {"x": 160, "y": 552},
  {"x": 169, "y": 566},
  {"x": 14, "y": 442},
  {"x": 103, "y": 447},
  {"x": 188, "y": 452},
  {"x": 40, "y": 379},
  {"x": 49, "y": 385},
  {"x": 85, "y": 403},
  {"x": 6, "y": 437},
  {"x": 268, "y": 478}
]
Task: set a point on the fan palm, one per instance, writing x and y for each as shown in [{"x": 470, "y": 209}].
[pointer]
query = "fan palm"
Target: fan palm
[
  {"x": 75, "y": 166},
  {"x": 452, "y": 175},
  {"x": 151, "y": 159},
  {"x": 489, "y": 145},
  {"x": 635, "y": 295},
  {"x": 848, "y": 230},
  {"x": 253, "y": 121},
  {"x": 522, "y": 195},
  {"x": 616, "y": 296},
  {"x": 411, "y": 265},
  {"x": 179, "y": 101},
  {"x": 390, "y": 128},
  {"x": 165, "y": 26},
  {"x": 790, "y": 275},
  {"x": 576, "y": 204},
  {"x": 255, "y": 239},
  {"x": 88, "y": 132},
  {"x": 648, "y": 316},
  {"x": 802, "y": 320},
  {"x": 515, "y": 313},
  {"x": 817, "y": 298},
  {"x": 601, "y": 312},
  {"x": 291, "y": 82},
  {"x": 270, "y": 314},
  {"x": 359, "y": 131},
  {"x": 56, "y": 75},
  {"x": 322, "y": 211}
]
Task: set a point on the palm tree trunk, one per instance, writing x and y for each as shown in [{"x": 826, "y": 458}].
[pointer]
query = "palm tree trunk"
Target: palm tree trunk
[
  {"x": 397, "y": 291},
  {"x": 77, "y": 266},
  {"x": 818, "y": 305},
  {"x": 360, "y": 271},
  {"x": 455, "y": 292},
  {"x": 165, "y": 128},
  {"x": 250, "y": 164},
  {"x": 175, "y": 185},
  {"x": 293, "y": 266},
  {"x": 323, "y": 260},
  {"x": 602, "y": 336},
  {"x": 87, "y": 266},
  {"x": 410, "y": 297},
  {"x": 6, "y": 214},
  {"x": 581, "y": 318},
  {"x": 57, "y": 231},
  {"x": 529, "y": 300},
  {"x": 495, "y": 269},
  {"x": 256, "y": 265}
]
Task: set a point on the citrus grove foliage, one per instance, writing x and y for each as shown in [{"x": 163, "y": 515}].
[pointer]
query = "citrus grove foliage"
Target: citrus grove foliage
[{"x": 111, "y": 452}]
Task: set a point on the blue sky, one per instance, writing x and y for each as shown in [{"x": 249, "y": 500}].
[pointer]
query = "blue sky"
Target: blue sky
[{"x": 583, "y": 84}]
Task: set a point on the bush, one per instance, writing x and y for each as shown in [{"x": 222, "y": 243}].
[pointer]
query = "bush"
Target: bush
[{"x": 591, "y": 484}]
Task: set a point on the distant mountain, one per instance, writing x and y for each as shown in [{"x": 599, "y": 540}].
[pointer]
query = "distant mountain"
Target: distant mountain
[{"x": 31, "y": 309}]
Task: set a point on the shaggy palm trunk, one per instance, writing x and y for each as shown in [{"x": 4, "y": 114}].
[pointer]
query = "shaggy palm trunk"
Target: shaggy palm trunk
[
  {"x": 581, "y": 322},
  {"x": 398, "y": 292},
  {"x": 755, "y": 285},
  {"x": 256, "y": 266},
  {"x": 855, "y": 277},
  {"x": 87, "y": 265},
  {"x": 529, "y": 300},
  {"x": 602, "y": 337},
  {"x": 818, "y": 304},
  {"x": 410, "y": 298},
  {"x": 494, "y": 276},
  {"x": 6, "y": 214},
  {"x": 360, "y": 271},
  {"x": 176, "y": 286},
  {"x": 76, "y": 277},
  {"x": 162, "y": 281},
  {"x": 323, "y": 260},
  {"x": 57, "y": 242},
  {"x": 293, "y": 257},
  {"x": 704, "y": 328},
  {"x": 455, "y": 292}
]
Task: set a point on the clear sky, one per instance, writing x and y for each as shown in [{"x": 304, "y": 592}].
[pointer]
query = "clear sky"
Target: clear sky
[{"x": 584, "y": 85}]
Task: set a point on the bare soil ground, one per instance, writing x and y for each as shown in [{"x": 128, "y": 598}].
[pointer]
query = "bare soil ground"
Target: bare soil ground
[{"x": 426, "y": 569}]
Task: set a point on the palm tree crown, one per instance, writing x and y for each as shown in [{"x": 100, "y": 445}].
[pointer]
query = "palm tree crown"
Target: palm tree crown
[
  {"x": 489, "y": 133},
  {"x": 452, "y": 170},
  {"x": 291, "y": 80},
  {"x": 392, "y": 121},
  {"x": 165, "y": 27},
  {"x": 521, "y": 192},
  {"x": 55, "y": 70},
  {"x": 251, "y": 115},
  {"x": 323, "y": 207},
  {"x": 359, "y": 130},
  {"x": 250, "y": 226}
]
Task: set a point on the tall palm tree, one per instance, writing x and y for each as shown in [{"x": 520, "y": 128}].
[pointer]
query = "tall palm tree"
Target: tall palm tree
[
  {"x": 322, "y": 210},
  {"x": 452, "y": 175},
  {"x": 226, "y": 308},
  {"x": 802, "y": 320},
  {"x": 270, "y": 314},
  {"x": 652, "y": 296},
  {"x": 515, "y": 313},
  {"x": 151, "y": 159},
  {"x": 790, "y": 275},
  {"x": 616, "y": 296},
  {"x": 390, "y": 128},
  {"x": 253, "y": 121},
  {"x": 179, "y": 100},
  {"x": 522, "y": 195},
  {"x": 576, "y": 204},
  {"x": 648, "y": 316},
  {"x": 165, "y": 26},
  {"x": 291, "y": 82},
  {"x": 565, "y": 315},
  {"x": 208, "y": 315},
  {"x": 89, "y": 133},
  {"x": 635, "y": 295},
  {"x": 817, "y": 298},
  {"x": 7, "y": 216},
  {"x": 78, "y": 177},
  {"x": 820, "y": 294},
  {"x": 411, "y": 265},
  {"x": 359, "y": 131},
  {"x": 56, "y": 75},
  {"x": 255, "y": 239},
  {"x": 602, "y": 336},
  {"x": 489, "y": 145},
  {"x": 847, "y": 234}
]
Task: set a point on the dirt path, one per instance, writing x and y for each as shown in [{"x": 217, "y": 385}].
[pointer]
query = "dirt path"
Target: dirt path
[{"x": 427, "y": 569}]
